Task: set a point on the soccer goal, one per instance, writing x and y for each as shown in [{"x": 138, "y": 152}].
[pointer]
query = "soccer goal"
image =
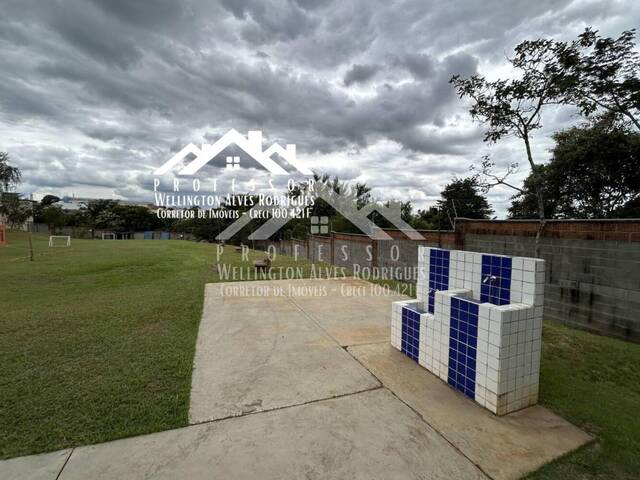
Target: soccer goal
[
  {"x": 108, "y": 236},
  {"x": 60, "y": 241}
]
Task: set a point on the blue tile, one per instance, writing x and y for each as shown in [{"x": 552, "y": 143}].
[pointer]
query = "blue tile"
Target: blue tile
[
  {"x": 462, "y": 346},
  {"x": 463, "y": 327},
  {"x": 471, "y": 363},
  {"x": 473, "y": 331},
  {"x": 438, "y": 275},
  {"x": 410, "y": 333}
]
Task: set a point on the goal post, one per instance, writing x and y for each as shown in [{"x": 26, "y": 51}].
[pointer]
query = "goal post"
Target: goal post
[
  {"x": 60, "y": 240},
  {"x": 109, "y": 236}
]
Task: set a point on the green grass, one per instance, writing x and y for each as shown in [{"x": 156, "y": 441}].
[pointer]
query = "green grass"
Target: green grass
[
  {"x": 97, "y": 343},
  {"x": 97, "y": 340},
  {"x": 594, "y": 382}
]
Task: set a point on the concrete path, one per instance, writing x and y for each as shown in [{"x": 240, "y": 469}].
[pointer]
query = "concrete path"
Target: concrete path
[
  {"x": 503, "y": 447},
  {"x": 35, "y": 467},
  {"x": 365, "y": 436},
  {"x": 275, "y": 395},
  {"x": 257, "y": 350}
]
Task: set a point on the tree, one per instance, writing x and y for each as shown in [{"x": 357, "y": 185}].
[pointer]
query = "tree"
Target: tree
[
  {"x": 15, "y": 209},
  {"x": 462, "y": 198},
  {"x": 99, "y": 213},
  {"x": 601, "y": 74},
  {"x": 514, "y": 106},
  {"x": 54, "y": 217},
  {"x": 593, "y": 173},
  {"x": 9, "y": 176},
  {"x": 49, "y": 200},
  {"x": 525, "y": 203},
  {"x": 12, "y": 207}
]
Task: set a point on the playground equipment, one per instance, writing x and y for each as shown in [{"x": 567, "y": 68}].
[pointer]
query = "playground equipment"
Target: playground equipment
[{"x": 476, "y": 324}]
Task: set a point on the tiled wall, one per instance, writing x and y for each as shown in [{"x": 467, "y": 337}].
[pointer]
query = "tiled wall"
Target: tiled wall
[{"x": 477, "y": 324}]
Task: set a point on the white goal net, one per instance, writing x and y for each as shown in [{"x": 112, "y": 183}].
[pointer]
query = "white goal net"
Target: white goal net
[
  {"x": 108, "y": 236},
  {"x": 60, "y": 241}
]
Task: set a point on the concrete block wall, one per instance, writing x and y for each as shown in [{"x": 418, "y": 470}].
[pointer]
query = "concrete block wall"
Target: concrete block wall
[
  {"x": 398, "y": 253},
  {"x": 593, "y": 266},
  {"x": 593, "y": 284},
  {"x": 319, "y": 249},
  {"x": 352, "y": 249}
]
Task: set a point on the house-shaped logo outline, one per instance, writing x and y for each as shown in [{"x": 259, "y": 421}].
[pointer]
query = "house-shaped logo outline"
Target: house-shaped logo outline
[{"x": 251, "y": 144}]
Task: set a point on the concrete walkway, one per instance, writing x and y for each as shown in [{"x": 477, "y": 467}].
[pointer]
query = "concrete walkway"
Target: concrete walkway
[{"x": 275, "y": 395}]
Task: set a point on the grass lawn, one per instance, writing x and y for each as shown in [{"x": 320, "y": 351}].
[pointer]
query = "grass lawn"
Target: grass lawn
[
  {"x": 97, "y": 342},
  {"x": 594, "y": 382}
]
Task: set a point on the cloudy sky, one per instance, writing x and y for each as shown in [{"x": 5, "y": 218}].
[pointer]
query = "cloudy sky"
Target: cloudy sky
[{"x": 96, "y": 94}]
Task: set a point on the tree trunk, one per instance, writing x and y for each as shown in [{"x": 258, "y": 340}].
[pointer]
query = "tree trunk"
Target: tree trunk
[{"x": 536, "y": 181}]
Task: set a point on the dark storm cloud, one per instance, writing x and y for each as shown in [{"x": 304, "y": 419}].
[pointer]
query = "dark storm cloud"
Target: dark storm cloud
[
  {"x": 419, "y": 64},
  {"x": 100, "y": 92},
  {"x": 360, "y": 74},
  {"x": 91, "y": 32}
]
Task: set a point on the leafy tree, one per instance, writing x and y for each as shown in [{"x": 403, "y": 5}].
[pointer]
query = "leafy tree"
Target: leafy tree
[
  {"x": 95, "y": 207},
  {"x": 49, "y": 200},
  {"x": 112, "y": 215},
  {"x": 9, "y": 175},
  {"x": 99, "y": 214},
  {"x": 12, "y": 207},
  {"x": 428, "y": 219},
  {"x": 54, "y": 217},
  {"x": 631, "y": 209},
  {"x": 134, "y": 218},
  {"x": 462, "y": 198},
  {"x": 15, "y": 209},
  {"x": 39, "y": 208},
  {"x": 593, "y": 173},
  {"x": 513, "y": 107},
  {"x": 525, "y": 203},
  {"x": 601, "y": 74}
]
